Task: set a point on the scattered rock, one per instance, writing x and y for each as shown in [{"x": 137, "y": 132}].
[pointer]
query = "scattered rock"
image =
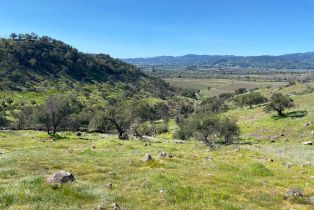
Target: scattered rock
[
  {"x": 162, "y": 155},
  {"x": 270, "y": 160},
  {"x": 179, "y": 142},
  {"x": 147, "y": 158},
  {"x": 59, "y": 178},
  {"x": 99, "y": 207},
  {"x": 237, "y": 150},
  {"x": 306, "y": 164},
  {"x": 210, "y": 175},
  {"x": 307, "y": 124},
  {"x": 311, "y": 200},
  {"x": 115, "y": 206},
  {"x": 109, "y": 186},
  {"x": 288, "y": 164},
  {"x": 145, "y": 144},
  {"x": 282, "y": 134},
  {"x": 208, "y": 159},
  {"x": 272, "y": 138},
  {"x": 308, "y": 143},
  {"x": 161, "y": 190},
  {"x": 170, "y": 156},
  {"x": 294, "y": 193},
  {"x": 112, "y": 174}
]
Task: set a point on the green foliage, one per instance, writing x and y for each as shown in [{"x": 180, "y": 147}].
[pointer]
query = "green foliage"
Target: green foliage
[
  {"x": 250, "y": 99},
  {"x": 279, "y": 102},
  {"x": 28, "y": 61},
  {"x": 188, "y": 92},
  {"x": 3, "y": 120},
  {"x": 240, "y": 91},
  {"x": 209, "y": 128},
  {"x": 9, "y": 101},
  {"x": 225, "y": 96},
  {"x": 140, "y": 129},
  {"x": 55, "y": 113},
  {"x": 212, "y": 105},
  {"x": 228, "y": 130},
  {"x": 129, "y": 116},
  {"x": 161, "y": 127}
]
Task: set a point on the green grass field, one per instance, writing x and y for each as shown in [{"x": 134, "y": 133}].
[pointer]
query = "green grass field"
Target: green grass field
[
  {"x": 218, "y": 86},
  {"x": 232, "y": 180},
  {"x": 243, "y": 179}
]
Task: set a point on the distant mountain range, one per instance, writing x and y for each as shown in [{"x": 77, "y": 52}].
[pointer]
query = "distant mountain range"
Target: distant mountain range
[{"x": 288, "y": 61}]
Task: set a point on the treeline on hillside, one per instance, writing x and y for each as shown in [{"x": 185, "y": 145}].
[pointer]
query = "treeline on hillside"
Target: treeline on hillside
[
  {"x": 27, "y": 60},
  {"x": 125, "y": 116},
  {"x": 47, "y": 56},
  {"x": 134, "y": 116}
]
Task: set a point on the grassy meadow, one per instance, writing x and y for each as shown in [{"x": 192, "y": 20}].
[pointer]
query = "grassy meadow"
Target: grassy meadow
[
  {"x": 230, "y": 180},
  {"x": 239, "y": 176},
  {"x": 218, "y": 86}
]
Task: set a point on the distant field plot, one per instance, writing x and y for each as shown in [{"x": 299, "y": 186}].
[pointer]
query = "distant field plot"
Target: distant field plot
[{"x": 218, "y": 86}]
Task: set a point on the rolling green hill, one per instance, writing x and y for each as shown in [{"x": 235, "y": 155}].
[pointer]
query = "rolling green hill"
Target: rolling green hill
[{"x": 32, "y": 63}]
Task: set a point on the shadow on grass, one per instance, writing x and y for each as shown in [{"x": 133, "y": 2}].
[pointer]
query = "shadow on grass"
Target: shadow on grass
[
  {"x": 57, "y": 137},
  {"x": 295, "y": 114}
]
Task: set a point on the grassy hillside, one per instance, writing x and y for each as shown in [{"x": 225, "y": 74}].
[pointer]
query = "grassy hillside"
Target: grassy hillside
[
  {"x": 239, "y": 176},
  {"x": 32, "y": 63},
  {"x": 297, "y": 126},
  {"x": 230, "y": 180},
  {"x": 254, "y": 173}
]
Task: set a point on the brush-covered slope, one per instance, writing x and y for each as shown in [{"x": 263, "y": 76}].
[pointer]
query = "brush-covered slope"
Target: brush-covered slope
[{"x": 28, "y": 61}]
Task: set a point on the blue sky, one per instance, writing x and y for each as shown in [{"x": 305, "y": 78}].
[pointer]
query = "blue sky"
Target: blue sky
[{"x": 143, "y": 28}]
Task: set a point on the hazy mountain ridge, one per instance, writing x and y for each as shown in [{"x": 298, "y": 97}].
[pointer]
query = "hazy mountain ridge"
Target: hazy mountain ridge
[{"x": 287, "y": 61}]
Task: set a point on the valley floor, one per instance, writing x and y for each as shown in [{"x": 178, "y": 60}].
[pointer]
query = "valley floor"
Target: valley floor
[{"x": 233, "y": 177}]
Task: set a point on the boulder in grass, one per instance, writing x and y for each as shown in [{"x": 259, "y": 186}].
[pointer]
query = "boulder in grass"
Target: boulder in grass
[
  {"x": 147, "y": 158},
  {"x": 208, "y": 159},
  {"x": 115, "y": 206},
  {"x": 294, "y": 193},
  {"x": 162, "y": 155},
  {"x": 59, "y": 178},
  {"x": 308, "y": 143},
  {"x": 273, "y": 138},
  {"x": 311, "y": 200},
  {"x": 237, "y": 149},
  {"x": 288, "y": 164}
]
